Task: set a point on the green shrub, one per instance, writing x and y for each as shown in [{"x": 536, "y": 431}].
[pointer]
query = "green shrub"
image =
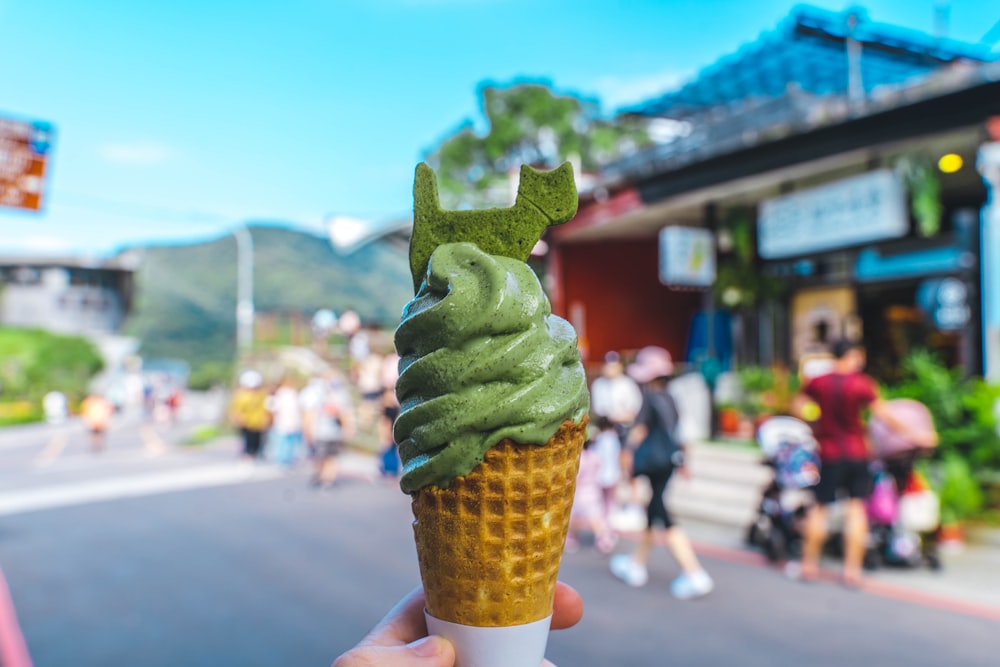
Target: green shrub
[
  {"x": 967, "y": 459},
  {"x": 210, "y": 374},
  {"x": 959, "y": 491},
  {"x": 34, "y": 362},
  {"x": 963, "y": 408}
]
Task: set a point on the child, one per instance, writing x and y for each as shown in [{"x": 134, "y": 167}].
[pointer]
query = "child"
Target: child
[
  {"x": 608, "y": 448},
  {"x": 588, "y": 504}
]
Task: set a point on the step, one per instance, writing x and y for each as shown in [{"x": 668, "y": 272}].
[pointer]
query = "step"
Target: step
[{"x": 716, "y": 491}]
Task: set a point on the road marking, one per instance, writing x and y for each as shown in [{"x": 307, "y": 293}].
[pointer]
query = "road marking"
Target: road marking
[
  {"x": 152, "y": 443},
  {"x": 54, "y": 449},
  {"x": 132, "y": 486},
  {"x": 13, "y": 648}
]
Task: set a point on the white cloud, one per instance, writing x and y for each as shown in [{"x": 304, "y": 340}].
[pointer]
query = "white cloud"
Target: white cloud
[
  {"x": 618, "y": 91},
  {"x": 141, "y": 153},
  {"x": 39, "y": 244}
]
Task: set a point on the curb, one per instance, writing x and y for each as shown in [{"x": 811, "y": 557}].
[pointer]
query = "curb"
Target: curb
[
  {"x": 870, "y": 585},
  {"x": 13, "y": 648}
]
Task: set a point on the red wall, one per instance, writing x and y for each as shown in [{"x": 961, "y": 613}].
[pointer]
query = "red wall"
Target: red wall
[{"x": 624, "y": 304}]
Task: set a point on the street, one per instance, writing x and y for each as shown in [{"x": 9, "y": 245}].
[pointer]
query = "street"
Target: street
[{"x": 255, "y": 568}]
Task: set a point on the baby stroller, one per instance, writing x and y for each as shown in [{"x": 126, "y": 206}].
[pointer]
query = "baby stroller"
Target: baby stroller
[
  {"x": 790, "y": 449},
  {"x": 903, "y": 511}
]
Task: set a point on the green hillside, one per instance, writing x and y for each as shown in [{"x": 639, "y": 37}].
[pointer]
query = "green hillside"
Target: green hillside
[{"x": 186, "y": 294}]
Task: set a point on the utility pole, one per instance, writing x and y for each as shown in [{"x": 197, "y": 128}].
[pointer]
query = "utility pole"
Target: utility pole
[{"x": 244, "y": 288}]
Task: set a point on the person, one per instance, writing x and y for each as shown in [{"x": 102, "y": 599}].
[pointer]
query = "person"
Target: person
[
  {"x": 401, "y": 640},
  {"x": 840, "y": 397},
  {"x": 369, "y": 385},
  {"x": 286, "y": 407},
  {"x": 55, "y": 405},
  {"x": 328, "y": 422},
  {"x": 608, "y": 449},
  {"x": 658, "y": 418},
  {"x": 588, "y": 504},
  {"x": 96, "y": 412},
  {"x": 389, "y": 462},
  {"x": 249, "y": 413},
  {"x": 617, "y": 397}
]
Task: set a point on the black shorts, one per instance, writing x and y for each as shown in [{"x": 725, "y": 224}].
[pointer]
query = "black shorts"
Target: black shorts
[
  {"x": 851, "y": 477},
  {"x": 326, "y": 449}
]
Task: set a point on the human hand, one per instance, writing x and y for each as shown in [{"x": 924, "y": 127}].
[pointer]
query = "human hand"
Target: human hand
[{"x": 401, "y": 640}]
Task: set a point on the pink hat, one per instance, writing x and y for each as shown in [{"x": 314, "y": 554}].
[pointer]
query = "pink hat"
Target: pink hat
[{"x": 650, "y": 363}]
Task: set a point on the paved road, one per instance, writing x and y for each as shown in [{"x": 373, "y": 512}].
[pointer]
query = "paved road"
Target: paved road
[{"x": 269, "y": 572}]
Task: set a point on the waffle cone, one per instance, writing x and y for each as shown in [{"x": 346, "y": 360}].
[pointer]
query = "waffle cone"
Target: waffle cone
[{"x": 489, "y": 545}]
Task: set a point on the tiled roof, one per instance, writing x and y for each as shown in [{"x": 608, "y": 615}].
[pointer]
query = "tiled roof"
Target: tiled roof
[{"x": 808, "y": 51}]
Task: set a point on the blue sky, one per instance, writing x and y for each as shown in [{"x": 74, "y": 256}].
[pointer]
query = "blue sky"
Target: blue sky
[{"x": 178, "y": 119}]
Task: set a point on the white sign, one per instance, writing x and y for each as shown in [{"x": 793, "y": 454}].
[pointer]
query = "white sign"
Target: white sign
[
  {"x": 853, "y": 211},
  {"x": 687, "y": 257}
]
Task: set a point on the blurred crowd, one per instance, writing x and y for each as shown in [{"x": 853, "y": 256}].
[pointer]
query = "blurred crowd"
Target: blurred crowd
[
  {"x": 295, "y": 419},
  {"x": 843, "y": 447}
]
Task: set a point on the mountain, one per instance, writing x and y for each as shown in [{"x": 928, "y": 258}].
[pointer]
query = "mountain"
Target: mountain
[{"x": 185, "y": 305}]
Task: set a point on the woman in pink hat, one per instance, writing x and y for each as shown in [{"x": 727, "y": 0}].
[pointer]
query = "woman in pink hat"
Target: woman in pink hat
[{"x": 656, "y": 429}]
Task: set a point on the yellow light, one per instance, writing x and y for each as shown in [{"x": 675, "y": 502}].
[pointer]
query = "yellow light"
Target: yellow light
[{"x": 950, "y": 163}]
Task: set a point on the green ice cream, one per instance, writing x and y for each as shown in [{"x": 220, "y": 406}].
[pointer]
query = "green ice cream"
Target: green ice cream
[{"x": 482, "y": 359}]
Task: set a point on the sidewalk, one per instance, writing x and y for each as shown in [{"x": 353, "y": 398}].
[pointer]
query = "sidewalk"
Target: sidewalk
[{"x": 969, "y": 581}]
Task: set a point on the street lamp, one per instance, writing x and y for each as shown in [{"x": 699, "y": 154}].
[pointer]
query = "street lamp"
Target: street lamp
[{"x": 244, "y": 288}]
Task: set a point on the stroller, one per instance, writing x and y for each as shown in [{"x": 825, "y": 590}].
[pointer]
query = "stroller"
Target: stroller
[
  {"x": 790, "y": 449},
  {"x": 903, "y": 511}
]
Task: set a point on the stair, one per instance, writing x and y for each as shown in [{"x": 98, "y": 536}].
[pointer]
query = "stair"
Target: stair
[{"x": 724, "y": 487}]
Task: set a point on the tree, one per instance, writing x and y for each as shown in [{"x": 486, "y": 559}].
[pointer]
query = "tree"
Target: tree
[{"x": 528, "y": 124}]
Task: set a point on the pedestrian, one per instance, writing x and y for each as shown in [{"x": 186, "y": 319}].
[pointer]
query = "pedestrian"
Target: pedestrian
[
  {"x": 328, "y": 423},
  {"x": 286, "y": 427},
  {"x": 588, "y": 504},
  {"x": 401, "y": 639},
  {"x": 369, "y": 386},
  {"x": 96, "y": 411},
  {"x": 389, "y": 456},
  {"x": 608, "y": 450},
  {"x": 616, "y": 396},
  {"x": 55, "y": 405},
  {"x": 654, "y": 439},
  {"x": 841, "y": 397},
  {"x": 248, "y": 412}
]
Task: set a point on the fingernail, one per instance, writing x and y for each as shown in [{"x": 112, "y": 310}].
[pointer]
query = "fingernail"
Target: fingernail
[{"x": 428, "y": 647}]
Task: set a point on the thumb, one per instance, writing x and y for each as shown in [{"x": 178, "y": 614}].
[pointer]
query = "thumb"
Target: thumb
[{"x": 430, "y": 651}]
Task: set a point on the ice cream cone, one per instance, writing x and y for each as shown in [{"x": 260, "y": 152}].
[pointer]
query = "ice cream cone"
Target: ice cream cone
[{"x": 490, "y": 544}]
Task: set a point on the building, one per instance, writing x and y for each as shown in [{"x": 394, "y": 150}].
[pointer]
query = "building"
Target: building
[
  {"x": 806, "y": 193},
  {"x": 64, "y": 295}
]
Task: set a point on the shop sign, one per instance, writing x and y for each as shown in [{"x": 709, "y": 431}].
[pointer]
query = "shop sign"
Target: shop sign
[
  {"x": 853, "y": 211},
  {"x": 24, "y": 151},
  {"x": 946, "y": 302},
  {"x": 687, "y": 257}
]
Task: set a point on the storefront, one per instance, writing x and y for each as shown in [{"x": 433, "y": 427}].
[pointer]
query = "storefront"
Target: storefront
[
  {"x": 889, "y": 252},
  {"x": 858, "y": 267}
]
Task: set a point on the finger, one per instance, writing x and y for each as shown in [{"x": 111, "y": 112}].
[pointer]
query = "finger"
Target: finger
[
  {"x": 567, "y": 608},
  {"x": 431, "y": 651},
  {"x": 404, "y": 624}
]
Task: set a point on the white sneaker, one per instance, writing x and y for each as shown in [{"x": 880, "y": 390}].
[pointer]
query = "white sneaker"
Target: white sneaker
[
  {"x": 689, "y": 586},
  {"x": 626, "y": 569}
]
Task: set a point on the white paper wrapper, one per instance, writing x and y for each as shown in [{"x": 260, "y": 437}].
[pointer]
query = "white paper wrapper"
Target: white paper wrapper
[{"x": 512, "y": 646}]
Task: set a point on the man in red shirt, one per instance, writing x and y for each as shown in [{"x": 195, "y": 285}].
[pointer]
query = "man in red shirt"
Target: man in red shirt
[{"x": 842, "y": 397}]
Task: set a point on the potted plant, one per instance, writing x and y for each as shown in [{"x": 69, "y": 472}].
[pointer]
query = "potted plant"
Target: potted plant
[
  {"x": 968, "y": 454},
  {"x": 959, "y": 493},
  {"x": 729, "y": 419}
]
